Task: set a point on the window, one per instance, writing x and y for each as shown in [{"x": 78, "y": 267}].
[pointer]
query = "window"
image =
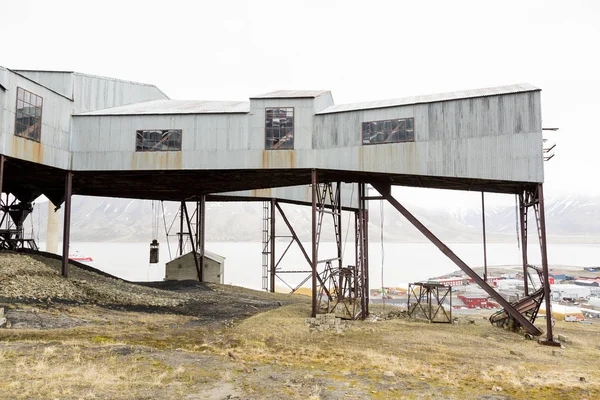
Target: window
[
  {"x": 388, "y": 131},
  {"x": 158, "y": 140},
  {"x": 28, "y": 121},
  {"x": 279, "y": 128}
]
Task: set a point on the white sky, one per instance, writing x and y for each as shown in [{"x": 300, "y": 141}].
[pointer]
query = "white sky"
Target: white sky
[{"x": 230, "y": 50}]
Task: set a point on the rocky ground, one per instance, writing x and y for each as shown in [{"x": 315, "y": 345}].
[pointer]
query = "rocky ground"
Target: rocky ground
[
  {"x": 92, "y": 336},
  {"x": 35, "y": 280}
]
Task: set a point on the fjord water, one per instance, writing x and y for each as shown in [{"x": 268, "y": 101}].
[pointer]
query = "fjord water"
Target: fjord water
[{"x": 403, "y": 262}]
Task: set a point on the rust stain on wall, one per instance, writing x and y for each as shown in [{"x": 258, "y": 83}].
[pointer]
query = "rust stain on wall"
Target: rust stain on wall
[
  {"x": 142, "y": 161},
  {"x": 278, "y": 159},
  {"x": 262, "y": 193},
  {"x": 27, "y": 149}
]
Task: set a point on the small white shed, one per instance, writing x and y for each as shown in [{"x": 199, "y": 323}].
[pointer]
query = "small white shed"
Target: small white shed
[{"x": 184, "y": 268}]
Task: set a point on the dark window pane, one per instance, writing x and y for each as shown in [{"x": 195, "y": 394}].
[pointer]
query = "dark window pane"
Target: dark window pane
[
  {"x": 28, "y": 121},
  {"x": 388, "y": 131},
  {"x": 279, "y": 128},
  {"x": 158, "y": 140}
]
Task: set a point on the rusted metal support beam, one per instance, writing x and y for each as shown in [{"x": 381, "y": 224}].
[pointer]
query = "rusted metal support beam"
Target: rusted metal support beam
[
  {"x": 523, "y": 230},
  {"x": 546, "y": 283},
  {"x": 512, "y": 311},
  {"x": 67, "y": 223},
  {"x": 314, "y": 242},
  {"x": 485, "y": 274},
  {"x": 338, "y": 200},
  {"x": 196, "y": 261},
  {"x": 366, "y": 266},
  {"x": 181, "y": 228},
  {"x": 202, "y": 233},
  {"x": 356, "y": 259},
  {"x": 272, "y": 244},
  {"x": 293, "y": 232}
]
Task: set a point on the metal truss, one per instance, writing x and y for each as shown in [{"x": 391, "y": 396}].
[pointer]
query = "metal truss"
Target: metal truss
[
  {"x": 385, "y": 190},
  {"x": 423, "y": 304},
  {"x": 191, "y": 234},
  {"x": 12, "y": 232}
]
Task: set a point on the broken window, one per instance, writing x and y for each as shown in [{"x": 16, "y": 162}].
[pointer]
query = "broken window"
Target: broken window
[
  {"x": 388, "y": 131},
  {"x": 28, "y": 120},
  {"x": 279, "y": 128},
  {"x": 158, "y": 140}
]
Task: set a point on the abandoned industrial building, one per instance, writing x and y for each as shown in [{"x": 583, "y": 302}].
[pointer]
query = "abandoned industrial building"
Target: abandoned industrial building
[{"x": 65, "y": 133}]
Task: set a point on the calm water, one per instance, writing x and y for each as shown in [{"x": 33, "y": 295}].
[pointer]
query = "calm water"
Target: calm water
[{"x": 403, "y": 262}]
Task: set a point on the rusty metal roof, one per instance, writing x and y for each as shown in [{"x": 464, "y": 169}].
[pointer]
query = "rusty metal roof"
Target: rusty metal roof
[
  {"x": 288, "y": 94},
  {"x": 431, "y": 98},
  {"x": 159, "y": 107}
]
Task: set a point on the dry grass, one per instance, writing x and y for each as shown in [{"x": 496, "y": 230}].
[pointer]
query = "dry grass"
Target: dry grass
[{"x": 139, "y": 355}]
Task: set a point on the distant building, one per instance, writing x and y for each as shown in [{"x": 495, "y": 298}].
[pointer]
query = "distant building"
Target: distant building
[
  {"x": 184, "y": 268},
  {"x": 570, "y": 292},
  {"x": 476, "y": 300},
  {"x": 460, "y": 281},
  {"x": 587, "y": 282}
]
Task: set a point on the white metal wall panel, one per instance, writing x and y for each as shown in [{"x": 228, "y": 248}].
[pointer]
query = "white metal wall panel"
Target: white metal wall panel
[
  {"x": 54, "y": 146},
  {"x": 59, "y": 81},
  {"x": 95, "y": 93}
]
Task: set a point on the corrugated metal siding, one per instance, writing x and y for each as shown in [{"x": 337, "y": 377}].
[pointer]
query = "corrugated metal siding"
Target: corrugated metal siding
[
  {"x": 54, "y": 146},
  {"x": 59, "y": 81},
  {"x": 158, "y": 107},
  {"x": 492, "y": 137},
  {"x": 465, "y": 94},
  {"x": 285, "y": 94},
  {"x": 96, "y": 93}
]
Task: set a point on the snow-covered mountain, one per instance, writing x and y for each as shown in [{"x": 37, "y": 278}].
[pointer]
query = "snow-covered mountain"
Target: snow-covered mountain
[{"x": 574, "y": 218}]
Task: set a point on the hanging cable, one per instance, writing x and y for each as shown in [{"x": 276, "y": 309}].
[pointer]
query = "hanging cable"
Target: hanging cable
[
  {"x": 517, "y": 220},
  {"x": 162, "y": 203},
  {"x": 347, "y": 224}
]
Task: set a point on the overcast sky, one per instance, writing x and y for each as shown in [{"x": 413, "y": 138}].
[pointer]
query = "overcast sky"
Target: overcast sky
[{"x": 230, "y": 50}]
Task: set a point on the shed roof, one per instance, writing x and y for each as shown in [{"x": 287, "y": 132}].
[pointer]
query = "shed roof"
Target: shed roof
[
  {"x": 287, "y": 94},
  {"x": 158, "y": 107},
  {"x": 431, "y": 98},
  {"x": 208, "y": 254}
]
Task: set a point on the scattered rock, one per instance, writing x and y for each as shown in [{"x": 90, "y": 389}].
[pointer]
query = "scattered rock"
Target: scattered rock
[
  {"x": 496, "y": 388},
  {"x": 323, "y": 322},
  {"x": 230, "y": 354},
  {"x": 581, "y": 379},
  {"x": 389, "y": 374},
  {"x": 308, "y": 377},
  {"x": 563, "y": 338}
]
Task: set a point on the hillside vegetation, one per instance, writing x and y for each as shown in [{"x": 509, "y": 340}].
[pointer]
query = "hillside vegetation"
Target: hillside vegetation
[{"x": 222, "y": 342}]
